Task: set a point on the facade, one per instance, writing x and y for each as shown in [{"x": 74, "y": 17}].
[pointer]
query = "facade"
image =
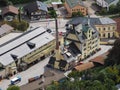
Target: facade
[
  {"x": 75, "y": 6},
  {"x": 5, "y": 29},
  {"x": 105, "y": 26},
  {"x": 117, "y": 20},
  {"x": 26, "y": 49},
  {"x": 9, "y": 13},
  {"x": 106, "y": 3},
  {"x": 36, "y": 10},
  {"x": 85, "y": 38}
]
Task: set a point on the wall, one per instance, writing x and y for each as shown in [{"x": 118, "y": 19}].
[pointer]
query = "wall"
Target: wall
[
  {"x": 107, "y": 31},
  {"x": 76, "y": 9},
  {"x": 42, "y": 51}
]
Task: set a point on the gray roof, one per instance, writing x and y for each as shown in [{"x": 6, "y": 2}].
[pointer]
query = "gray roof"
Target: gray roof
[
  {"x": 84, "y": 21},
  {"x": 19, "y": 47},
  {"x": 73, "y": 3},
  {"x": 34, "y": 6},
  {"x": 106, "y": 20},
  {"x": 93, "y": 21},
  {"x": 109, "y": 1},
  {"x": 5, "y": 29}
]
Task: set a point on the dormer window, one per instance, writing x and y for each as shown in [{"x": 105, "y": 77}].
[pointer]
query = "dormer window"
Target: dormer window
[
  {"x": 31, "y": 45},
  {"x": 14, "y": 56}
]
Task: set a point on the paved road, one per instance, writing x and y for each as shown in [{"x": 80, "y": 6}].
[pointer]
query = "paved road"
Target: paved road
[
  {"x": 91, "y": 9},
  {"x": 50, "y": 24},
  {"x": 35, "y": 70}
]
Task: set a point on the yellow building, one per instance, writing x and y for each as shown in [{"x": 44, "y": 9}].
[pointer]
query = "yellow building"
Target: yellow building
[
  {"x": 28, "y": 48},
  {"x": 75, "y": 6},
  {"x": 85, "y": 38},
  {"x": 105, "y": 26}
]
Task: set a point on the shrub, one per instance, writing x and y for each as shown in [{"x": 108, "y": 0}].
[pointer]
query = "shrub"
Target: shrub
[
  {"x": 13, "y": 88},
  {"x": 21, "y": 26}
]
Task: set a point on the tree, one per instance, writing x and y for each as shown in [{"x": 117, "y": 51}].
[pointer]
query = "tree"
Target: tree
[
  {"x": 114, "y": 54},
  {"x": 13, "y": 88},
  {"x": 77, "y": 14},
  {"x": 19, "y": 14},
  {"x": 118, "y": 6}
]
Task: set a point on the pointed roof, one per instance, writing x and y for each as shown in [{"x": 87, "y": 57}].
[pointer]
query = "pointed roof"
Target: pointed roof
[
  {"x": 8, "y": 9},
  {"x": 34, "y": 6},
  {"x": 73, "y": 3}
]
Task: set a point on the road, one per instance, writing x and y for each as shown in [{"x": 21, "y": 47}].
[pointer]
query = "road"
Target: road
[
  {"x": 35, "y": 70},
  {"x": 91, "y": 9},
  {"x": 47, "y": 23}
]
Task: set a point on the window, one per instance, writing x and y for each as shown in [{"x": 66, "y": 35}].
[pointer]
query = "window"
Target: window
[
  {"x": 113, "y": 27},
  {"x": 103, "y": 28},
  {"x": 103, "y": 34},
  {"x": 99, "y": 29},
  {"x": 85, "y": 44}
]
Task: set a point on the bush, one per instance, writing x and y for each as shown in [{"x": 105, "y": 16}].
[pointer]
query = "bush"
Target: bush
[
  {"x": 21, "y": 26},
  {"x": 13, "y": 88}
]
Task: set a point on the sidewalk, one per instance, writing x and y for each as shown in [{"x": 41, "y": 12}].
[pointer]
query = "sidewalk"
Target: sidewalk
[{"x": 41, "y": 20}]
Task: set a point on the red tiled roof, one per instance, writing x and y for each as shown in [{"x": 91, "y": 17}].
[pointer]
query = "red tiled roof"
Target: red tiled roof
[
  {"x": 9, "y": 9},
  {"x": 84, "y": 66},
  {"x": 99, "y": 59},
  {"x": 118, "y": 24}
]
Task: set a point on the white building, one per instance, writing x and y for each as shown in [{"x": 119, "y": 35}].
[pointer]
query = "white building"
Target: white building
[{"x": 106, "y": 3}]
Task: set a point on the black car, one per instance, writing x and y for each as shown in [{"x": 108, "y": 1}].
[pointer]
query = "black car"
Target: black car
[{"x": 49, "y": 30}]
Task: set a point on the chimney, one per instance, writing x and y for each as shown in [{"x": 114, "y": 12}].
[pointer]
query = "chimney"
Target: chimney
[{"x": 57, "y": 41}]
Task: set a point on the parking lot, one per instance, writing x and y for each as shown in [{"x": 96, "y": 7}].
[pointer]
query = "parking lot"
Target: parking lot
[{"x": 33, "y": 71}]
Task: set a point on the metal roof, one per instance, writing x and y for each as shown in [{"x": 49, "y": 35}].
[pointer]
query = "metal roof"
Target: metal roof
[
  {"x": 19, "y": 46},
  {"x": 109, "y": 1},
  {"x": 93, "y": 21},
  {"x": 106, "y": 20},
  {"x": 35, "y": 6}
]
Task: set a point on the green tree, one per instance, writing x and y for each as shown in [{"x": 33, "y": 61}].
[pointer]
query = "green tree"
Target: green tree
[
  {"x": 114, "y": 54},
  {"x": 13, "y": 88},
  {"x": 77, "y": 14}
]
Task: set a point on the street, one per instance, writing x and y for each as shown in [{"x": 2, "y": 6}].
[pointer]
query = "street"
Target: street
[{"x": 50, "y": 24}]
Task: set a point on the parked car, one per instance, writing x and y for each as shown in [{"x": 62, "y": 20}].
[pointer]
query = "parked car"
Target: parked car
[
  {"x": 49, "y": 30},
  {"x": 15, "y": 80}
]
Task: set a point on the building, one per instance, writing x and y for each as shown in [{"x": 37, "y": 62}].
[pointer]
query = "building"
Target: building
[
  {"x": 36, "y": 10},
  {"x": 84, "y": 37},
  {"x": 9, "y": 13},
  {"x": 5, "y": 29},
  {"x": 106, "y": 27},
  {"x": 75, "y": 6},
  {"x": 26, "y": 49},
  {"x": 106, "y": 3},
  {"x": 117, "y": 20},
  {"x": 95, "y": 62}
]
